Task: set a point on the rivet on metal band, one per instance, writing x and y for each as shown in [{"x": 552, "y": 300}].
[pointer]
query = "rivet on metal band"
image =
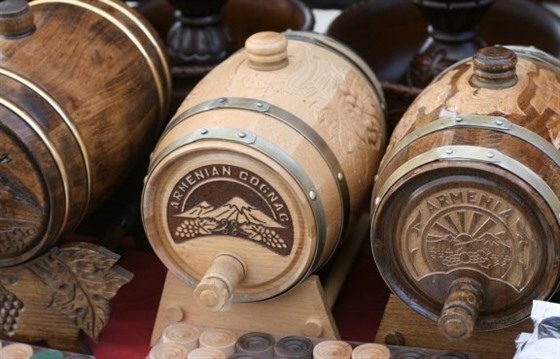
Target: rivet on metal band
[
  {"x": 30, "y": 121},
  {"x": 129, "y": 34},
  {"x": 275, "y": 153},
  {"x": 471, "y": 153},
  {"x": 290, "y": 120}
]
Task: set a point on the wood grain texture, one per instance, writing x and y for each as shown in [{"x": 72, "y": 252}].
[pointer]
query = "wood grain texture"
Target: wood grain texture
[
  {"x": 474, "y": 201},
  {"x": 257, "y": 184},
  {"x": 81, "y": 99}
]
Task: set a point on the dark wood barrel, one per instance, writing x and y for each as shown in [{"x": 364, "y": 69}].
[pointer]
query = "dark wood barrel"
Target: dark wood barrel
[
  {"x": 465, "y": 212},
  {"x": 84, "y": 88},
  {"x": 257, "y": 177}
]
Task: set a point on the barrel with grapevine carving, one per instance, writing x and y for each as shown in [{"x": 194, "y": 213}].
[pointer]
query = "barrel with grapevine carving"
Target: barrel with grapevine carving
[
  {"x": 84, "y": 87},
  {"x": 257, "y": 177},
  {"x": 465, "y": 213}
]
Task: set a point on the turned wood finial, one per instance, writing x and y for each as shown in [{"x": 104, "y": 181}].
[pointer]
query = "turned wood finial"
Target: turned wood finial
[
  {"x": 460, "y": 310},
  {"x": 494, "y": 67},
  {"x": 267, "y": 51},
  {"x": 216, "y": 287},
  {"x": 16, "y": 19}
]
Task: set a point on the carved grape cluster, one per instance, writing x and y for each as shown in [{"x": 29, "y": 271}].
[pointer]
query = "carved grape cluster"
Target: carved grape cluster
[
  {"x": 191, "y": 228},
  {"x": 266, "y": 235},
  {"x": 11, "y": 306}
]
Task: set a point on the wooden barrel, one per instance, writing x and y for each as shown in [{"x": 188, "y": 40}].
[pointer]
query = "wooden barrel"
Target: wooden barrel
[
  {"x": 465, "y": 212},
  {"x": 256, "y": 178},
  {"x": 84, "y": 87}
]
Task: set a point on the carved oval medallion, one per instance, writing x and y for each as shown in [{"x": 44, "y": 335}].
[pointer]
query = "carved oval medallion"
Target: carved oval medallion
[{"x": 228, "y": 200}]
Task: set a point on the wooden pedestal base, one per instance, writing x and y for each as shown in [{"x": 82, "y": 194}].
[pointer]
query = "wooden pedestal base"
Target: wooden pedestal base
[
  {"x": 399, "y": 321},
  {"x": 302, "y": 311}
]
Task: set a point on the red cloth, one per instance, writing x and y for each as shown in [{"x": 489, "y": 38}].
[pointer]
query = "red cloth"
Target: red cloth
[{"x": 129, "y": 330}]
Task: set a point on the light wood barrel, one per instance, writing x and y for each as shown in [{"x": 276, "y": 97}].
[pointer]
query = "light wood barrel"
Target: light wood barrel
[
  {"x": 465, "y": 224},
  {"x": 257, "y": 177},
  {"x": 84, "y": 88}
]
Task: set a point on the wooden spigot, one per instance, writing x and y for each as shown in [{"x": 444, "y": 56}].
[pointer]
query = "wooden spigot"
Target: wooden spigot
[
  {"x": 460, "y": 310},
  {"x": 16, "y": 19},
  {"x": 216, "y": 288},
  {"x": 267, "y": 51}
]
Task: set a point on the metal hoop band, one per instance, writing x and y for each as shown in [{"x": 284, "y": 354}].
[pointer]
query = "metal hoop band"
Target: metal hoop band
[
  {"x": 492, "y": 123},
  {"x": 471, "y": 153}
]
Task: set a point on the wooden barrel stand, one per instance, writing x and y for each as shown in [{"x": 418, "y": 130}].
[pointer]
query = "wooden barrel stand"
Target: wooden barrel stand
[
  {"x": 402, "y": 326},
  {"x": 305, "y": 310}
]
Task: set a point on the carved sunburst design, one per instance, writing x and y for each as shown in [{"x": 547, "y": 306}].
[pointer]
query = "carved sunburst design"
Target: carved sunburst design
[
  {"x": 469, "y": 230},
  {"x": 471, "y": 237}
]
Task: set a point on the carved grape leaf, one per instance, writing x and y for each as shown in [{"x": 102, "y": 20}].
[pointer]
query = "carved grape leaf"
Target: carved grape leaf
[{"x": 82, "y": 278}]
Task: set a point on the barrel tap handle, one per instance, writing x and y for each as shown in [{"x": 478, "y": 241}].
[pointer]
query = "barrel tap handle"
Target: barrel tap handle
[
  {"x": 215, "y": 290},
  {"x": 16, "y": 19},
  {"x": 461, "y": 308}
]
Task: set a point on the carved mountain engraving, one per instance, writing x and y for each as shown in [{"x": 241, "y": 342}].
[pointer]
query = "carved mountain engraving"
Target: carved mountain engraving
[
  {"x": 224, "y": 200},
  {"x": 236, "y": 218}
]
